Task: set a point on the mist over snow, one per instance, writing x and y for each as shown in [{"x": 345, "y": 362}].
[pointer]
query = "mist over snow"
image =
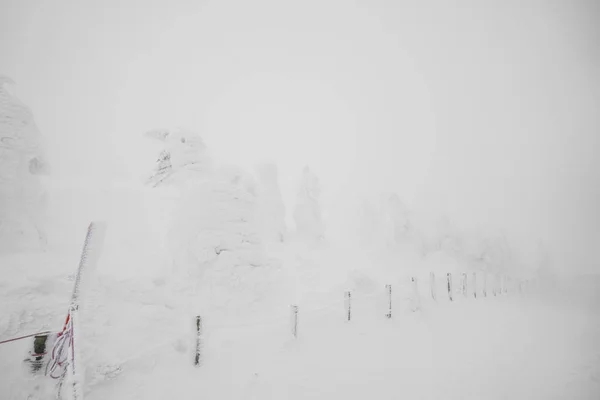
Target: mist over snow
[{"x": 421, "y": 181}]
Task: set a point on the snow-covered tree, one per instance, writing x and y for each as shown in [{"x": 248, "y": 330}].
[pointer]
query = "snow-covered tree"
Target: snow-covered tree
[
  {"x": 22, "y": 196},
  {"x": 395, "y": 217},
  {"x": 369, "y": 223},
  {"x": 184, "y": 151},
  {"x": 271, "y": 209},
  {"x": 307, "y": 213}
]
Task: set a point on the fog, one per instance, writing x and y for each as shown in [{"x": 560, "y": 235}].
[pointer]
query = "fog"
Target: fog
[{"x": 485, "y": 112}]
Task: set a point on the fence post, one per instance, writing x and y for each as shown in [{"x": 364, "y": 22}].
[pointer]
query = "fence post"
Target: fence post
[
  {"x": 75, "y": 355},
  {"x": 388, "y": 289},
  {"x": 198, "y": 360},
  {"x": 449, "y": 280},
  {"x": 474, "y": 285},
  {"x": 416, "y": 301},
  {"x": 464, "y": 288},
  {"x": 348, "y": 305},
  {"x": 484, "y": 284},
  {"x": 294, "y": 320},
  {"x": 432, "y": 285}
]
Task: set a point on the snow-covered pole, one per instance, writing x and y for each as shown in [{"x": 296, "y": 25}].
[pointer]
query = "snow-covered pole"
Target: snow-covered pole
[
  {"x": 347, "y": 302},
  {"x": 474, "y": 285},
  {"x": 484, "y": 284},
  {"x": 415, "y": 296},
  {"x": 432, "y": 285},
  {"x": 74, "y": 365},
  {"x": 294, "y": 320},
  {"x": 388, "y": 291},
  {"x": 449, "y": 280},
  {"x": 89, "y": 257},
  {"x": 464, "y": 284},
  {"x": 198, "y": 355}
]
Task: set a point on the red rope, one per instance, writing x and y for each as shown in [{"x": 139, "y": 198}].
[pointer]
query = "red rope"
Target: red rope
[{"x": 24, "y": 337}]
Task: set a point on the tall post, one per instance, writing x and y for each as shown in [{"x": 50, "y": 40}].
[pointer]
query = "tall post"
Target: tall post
[
  {"x": 449, "y": 280},
  {"x": 388, "y": 290},
  {"x": 294, "y": 320},
  {"x": 198, "y": 358},
  {"x": 348, "y": 305},
  {"x": 432, "y": 286},
  {"x": 484, "y": 284},
  {"x": 92, "y": 248},
  {"x": 75, "y": 361}
]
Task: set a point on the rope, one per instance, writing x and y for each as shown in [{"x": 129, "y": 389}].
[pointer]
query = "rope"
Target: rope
[
  {"x": 60, "y": 354},
  {"x": 24, "y": 337}
]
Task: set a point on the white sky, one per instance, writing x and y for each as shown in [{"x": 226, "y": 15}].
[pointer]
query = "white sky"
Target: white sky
[{"x": 484, "y": 111}]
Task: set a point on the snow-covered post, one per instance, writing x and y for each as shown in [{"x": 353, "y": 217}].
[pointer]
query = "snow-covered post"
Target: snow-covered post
[
  {"x": 347, "y": 304},
  {"x": 432, "y": 286},
  {"x": 474, "y": 285},
  {"x": 388, "y": 290},
  {"x": 74, "y": 365},
  {"x": 294, "y": 320},
  {"x": 464, "y": 284},
  {"x": 90, "y": 254},
  {"x": 449, "y": 280},
  {"x": 198, "y": 359},
  {"x": 415, "y": 296},
  {"x": 484, "y": 284}
]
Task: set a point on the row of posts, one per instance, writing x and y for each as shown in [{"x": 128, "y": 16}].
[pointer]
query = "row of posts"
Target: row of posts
[{"x": 503, "y": 289}]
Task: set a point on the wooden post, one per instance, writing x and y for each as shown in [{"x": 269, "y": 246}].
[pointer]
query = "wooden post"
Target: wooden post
[
  {"x": 464, "y": 284},
  {"x": 388, "y": 290},
  {"x": 198, "y": 358},
  {"x": 484, "y": 284},
  {"x": 348, "y": 305},
  {"x": 432, "y": 286},
  {"x": 449, "y": 280},
  {"x": 474, "y": 285},
  {"x": 294, "y": 320}
]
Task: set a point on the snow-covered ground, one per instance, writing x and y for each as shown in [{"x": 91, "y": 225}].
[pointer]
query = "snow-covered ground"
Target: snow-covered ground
[
  {"x": 138, "y": 334},
  {"x": 201, "y": 241}
]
